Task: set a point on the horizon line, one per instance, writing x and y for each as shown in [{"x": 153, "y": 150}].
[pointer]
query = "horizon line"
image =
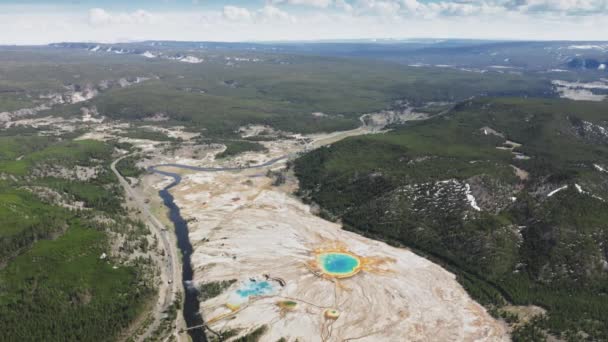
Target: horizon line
[{"x": 312, "y": 41}]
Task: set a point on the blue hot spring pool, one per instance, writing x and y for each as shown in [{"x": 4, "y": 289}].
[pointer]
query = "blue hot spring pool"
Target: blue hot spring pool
[
  {"x": 255, "y": 288},
  {"x": 339, "y": 264},
  {"x": 249, "y": 289}
]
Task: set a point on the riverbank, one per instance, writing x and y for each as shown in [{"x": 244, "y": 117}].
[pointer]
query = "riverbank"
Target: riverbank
[{"x": 190, "y": 307}]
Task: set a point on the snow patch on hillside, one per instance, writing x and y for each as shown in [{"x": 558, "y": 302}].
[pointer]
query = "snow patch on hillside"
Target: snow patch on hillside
[
  {"x": 557, "y": 190},
  {"x": 588, "y": 47},
  {"x": 471, "y": 198},
  {"x": 590, "y": 127},
  {"x": 580, "y": 91},
  {"x": 191, "y": 59}
]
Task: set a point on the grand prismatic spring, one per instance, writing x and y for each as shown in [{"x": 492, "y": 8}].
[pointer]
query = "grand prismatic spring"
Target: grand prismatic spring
[{"x": 339, "y": 265}]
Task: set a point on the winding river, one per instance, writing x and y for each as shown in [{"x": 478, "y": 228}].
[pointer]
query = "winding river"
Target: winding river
[{"x": 192, "y": 316}]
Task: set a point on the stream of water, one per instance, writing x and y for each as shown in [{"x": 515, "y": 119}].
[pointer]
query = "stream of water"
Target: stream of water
[
  {"x": 191, "y": 311},
  {"x": 191, "y": 304}
]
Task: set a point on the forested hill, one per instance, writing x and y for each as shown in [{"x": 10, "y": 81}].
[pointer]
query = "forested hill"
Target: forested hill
[
  {"x": 72, "y": 262},
  {"x": 509, "y": 194}
]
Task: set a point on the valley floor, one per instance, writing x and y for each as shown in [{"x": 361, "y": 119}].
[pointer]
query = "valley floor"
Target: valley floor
[{"x": 252, "y": 234}]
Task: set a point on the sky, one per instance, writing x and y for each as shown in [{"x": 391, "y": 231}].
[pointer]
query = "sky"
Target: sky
[{"x": 44, "y": 21}]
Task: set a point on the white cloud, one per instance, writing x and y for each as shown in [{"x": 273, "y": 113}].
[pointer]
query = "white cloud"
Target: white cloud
[
  {"x": 343, "y": 19},
  {"x": 234, "y": 13},
  {"x": 267, "y": 13},
  {"x": 388, "y": 8},
  {"x": 344, "y": 5},
  {"x": 479, "y": 7},
  {"x": 412, "y": 5},
  {"x": 272, "y": 13},
  {"x": 311, "y": 3},
  {"x": 458, "y": 8},
  {"x": 580, "y": 7},
  {"x": 100, "y": 17}
]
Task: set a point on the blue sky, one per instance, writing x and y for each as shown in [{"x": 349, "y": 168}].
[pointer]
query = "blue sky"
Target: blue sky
[{"x": 44, "y": 21}]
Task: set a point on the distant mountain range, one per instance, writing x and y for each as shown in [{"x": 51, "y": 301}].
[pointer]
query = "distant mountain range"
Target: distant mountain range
[{"x": 522, "y": 55}]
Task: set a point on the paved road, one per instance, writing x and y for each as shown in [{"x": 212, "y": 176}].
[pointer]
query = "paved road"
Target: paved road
[{"x": 170, "y": 275}]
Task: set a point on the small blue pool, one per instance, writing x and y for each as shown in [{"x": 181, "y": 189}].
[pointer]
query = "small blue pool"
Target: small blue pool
[
  {"x": 248, "y": 289},
  {"x": 255, "y": 288},
  {"x": 339, "y": 264}
]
